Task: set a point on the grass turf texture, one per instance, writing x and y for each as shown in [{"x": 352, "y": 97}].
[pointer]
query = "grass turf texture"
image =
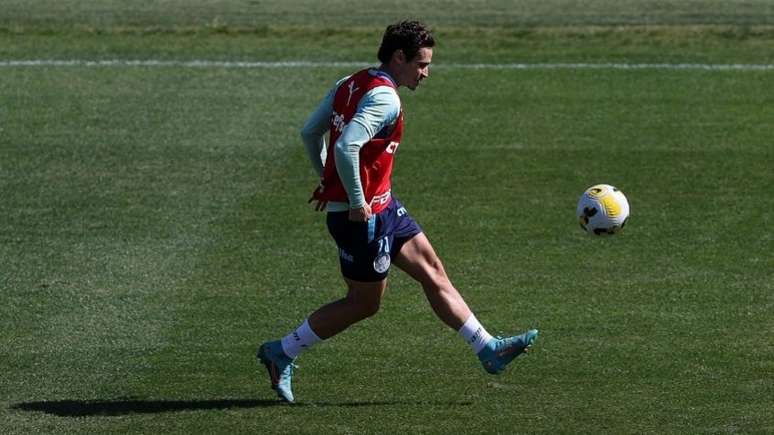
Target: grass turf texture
[
  {"x": 61, "y": 14},
  {"x": 154, "y": 230}
]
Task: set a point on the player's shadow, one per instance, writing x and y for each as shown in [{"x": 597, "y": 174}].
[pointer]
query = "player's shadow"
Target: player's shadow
[{"x": 86, "y": 408}]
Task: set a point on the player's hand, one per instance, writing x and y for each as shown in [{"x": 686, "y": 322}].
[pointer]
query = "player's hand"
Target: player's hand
[
  {"x": 321, "y": 204},
  {"x": 360, "y": 214}
]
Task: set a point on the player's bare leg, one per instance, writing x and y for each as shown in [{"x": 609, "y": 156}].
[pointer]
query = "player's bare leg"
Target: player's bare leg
[
  {"x": 362, "y": 301},
  {"x": 418, "y": 259}
]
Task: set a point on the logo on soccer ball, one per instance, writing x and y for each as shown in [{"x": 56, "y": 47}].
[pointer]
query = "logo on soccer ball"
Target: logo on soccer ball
[{"x": 602, "y": 210}]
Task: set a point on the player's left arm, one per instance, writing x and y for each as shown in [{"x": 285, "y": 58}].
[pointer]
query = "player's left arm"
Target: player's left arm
[{"x": 377, "y": 109}]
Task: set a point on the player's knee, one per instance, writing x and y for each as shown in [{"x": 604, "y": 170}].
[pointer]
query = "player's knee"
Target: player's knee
[
  {"x": 366, "y": 307},
  {"x": 435, "y": 276},
  {"x": 371, "y": 308}
]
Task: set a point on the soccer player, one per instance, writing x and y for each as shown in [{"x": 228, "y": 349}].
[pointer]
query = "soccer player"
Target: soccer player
[{"x": 370, "y": 226}]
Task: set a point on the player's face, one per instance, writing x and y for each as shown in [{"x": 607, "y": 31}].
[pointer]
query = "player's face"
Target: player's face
[{"x": 417, "y": 69}]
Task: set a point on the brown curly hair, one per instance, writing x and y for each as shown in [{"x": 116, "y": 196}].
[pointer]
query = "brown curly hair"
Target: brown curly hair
[{"x": 408, "y": 36}]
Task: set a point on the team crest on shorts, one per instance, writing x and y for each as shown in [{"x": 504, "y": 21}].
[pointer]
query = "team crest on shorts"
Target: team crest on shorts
[{"x": 382, "y": 263}]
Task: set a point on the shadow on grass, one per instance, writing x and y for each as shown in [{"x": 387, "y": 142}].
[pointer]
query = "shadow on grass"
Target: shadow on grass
[{"x": 85, "y": 408}]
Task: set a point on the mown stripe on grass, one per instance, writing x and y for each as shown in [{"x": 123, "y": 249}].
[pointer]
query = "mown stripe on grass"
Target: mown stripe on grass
[{"x": 309, "y": 64}]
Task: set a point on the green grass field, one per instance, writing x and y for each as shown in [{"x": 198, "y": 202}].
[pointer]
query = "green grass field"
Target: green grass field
[{"x": 154, "y": 227}]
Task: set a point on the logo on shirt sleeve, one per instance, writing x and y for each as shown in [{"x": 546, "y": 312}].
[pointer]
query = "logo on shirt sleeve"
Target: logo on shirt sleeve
[{"x": 352, "y": 89}]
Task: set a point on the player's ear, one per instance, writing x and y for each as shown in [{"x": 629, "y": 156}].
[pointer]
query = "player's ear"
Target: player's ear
[{"x": 399, "y": 57}]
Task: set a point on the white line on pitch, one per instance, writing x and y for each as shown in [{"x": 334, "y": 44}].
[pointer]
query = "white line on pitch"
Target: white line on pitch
[{"x": 321, "y": 64}]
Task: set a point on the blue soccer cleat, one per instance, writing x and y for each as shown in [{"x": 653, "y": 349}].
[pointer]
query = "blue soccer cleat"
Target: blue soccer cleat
[
  {"x": 501, "y": 351},
  {"x": 280, "y": 367}
]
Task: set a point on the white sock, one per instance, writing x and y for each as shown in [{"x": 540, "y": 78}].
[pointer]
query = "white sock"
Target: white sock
[
  {"x": 299, "y": 340},
  {"x": 474, "y": 334}
]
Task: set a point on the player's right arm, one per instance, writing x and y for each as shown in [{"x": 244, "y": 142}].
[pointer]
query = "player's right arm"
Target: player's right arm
[
  {"x": 314, "y": 129},
  {"x": 316, "y": 126}
]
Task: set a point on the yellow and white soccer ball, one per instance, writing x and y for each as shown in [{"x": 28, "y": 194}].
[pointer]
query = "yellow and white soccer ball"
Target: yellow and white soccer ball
[{"x": 602, "y": 210}]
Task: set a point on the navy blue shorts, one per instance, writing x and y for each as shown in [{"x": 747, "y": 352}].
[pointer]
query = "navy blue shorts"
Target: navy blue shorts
[{"x": 366, "y": 248}]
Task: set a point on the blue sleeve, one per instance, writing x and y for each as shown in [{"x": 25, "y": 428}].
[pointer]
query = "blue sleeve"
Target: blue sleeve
[
  {"x": 315, "y": 127},
  {"x": 377, "y": 109}
]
